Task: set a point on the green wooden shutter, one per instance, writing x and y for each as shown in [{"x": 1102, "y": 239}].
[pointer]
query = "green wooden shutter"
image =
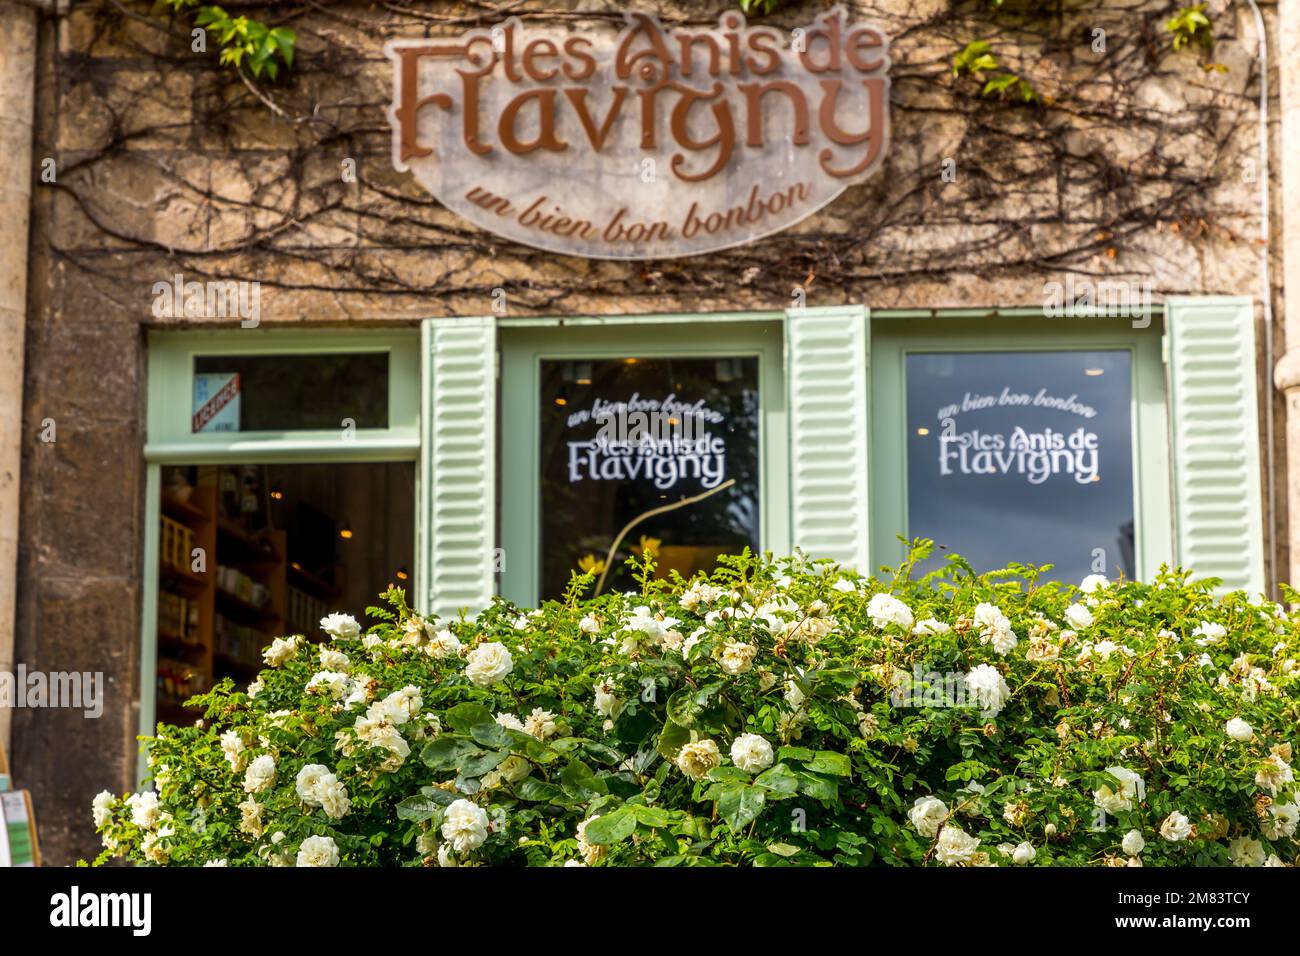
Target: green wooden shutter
[
  {"x": 826, "y": 356},
  {"x": 458, "y": 489},
  {"x": 1212, "y": 381}
]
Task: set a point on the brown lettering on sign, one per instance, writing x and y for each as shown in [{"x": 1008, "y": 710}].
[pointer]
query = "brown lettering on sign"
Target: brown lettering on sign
[{"x": 636, "y": 145}]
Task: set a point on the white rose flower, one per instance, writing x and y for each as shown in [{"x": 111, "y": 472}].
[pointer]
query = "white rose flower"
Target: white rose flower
[
  {"x": 540, "y": 724},
  {"x": 930, "y": 627},
  {"x": 344, "y": 627},
  {"x": 1023, "y": 854},
  {"x": 333, "y": 797},
  {"x": 1281, "y": 821},
  {"x": 607, "y": 705},
  {"x": 250, "y": 818},
  {"x": 697, "y": 759},
  {"x": 1244, "y": 851},
  {"x": 488, "y": 663},
  {"x": 989, "y": 689},
  {"x": 232, "y": 747},
  {"x": 333, "y": 660},
  {"x": 308, "y": 783},
  {"x": 444, "y": 644},
  {"x": 1274, "y": 860},
  {"x": 465, "y": 826},
  {"x": 144, "y": 808},
  {"x": 216, "y": 863},
  {"x": 282, "y": 650},
  {"x": 589, "y": 624},
  {"x": 318, "y": 851},
  {"x": 1093, "y": 582},
  {"x": 1078, "y": 616},
  {"x": 885, "y": 609},
  {"x": 260, "y": 775},
  {"x": 844, "y": 586},
  {"x": 751, "y": 753},
  {"x": 510, "y": 722},
  {"x": 955, "y": 846},
  {"x": 1133, "y": 844},
  {"x": 336, "y": 683},
  {"x": 1132, "y": 789},
  {"x": 1239, "y": 730},
  {"x": 102, "y": 808},
  {"x": 737, "y": 657},
  {"x": 1208, "y": 634},
  {"x": 1176, "y": 827},
  {"x": 1274, "y": 774},
  {"x": 927, "y": 815}
]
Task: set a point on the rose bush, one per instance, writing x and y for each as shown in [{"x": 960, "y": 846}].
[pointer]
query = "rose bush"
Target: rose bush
[{"x": 775, "y": 713}]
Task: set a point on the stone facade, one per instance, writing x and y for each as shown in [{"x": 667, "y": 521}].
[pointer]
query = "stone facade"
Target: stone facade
[{"x": 1138, "y": 163}]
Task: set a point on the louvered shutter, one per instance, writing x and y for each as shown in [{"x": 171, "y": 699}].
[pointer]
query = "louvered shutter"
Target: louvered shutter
[
  {"x": 826, "y": 354},
  {"x": 1218, "y": 527},
  {"x": 459, "y": 477}
]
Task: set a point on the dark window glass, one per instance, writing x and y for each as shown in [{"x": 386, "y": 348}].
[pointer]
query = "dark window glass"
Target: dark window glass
[
  {"x": 252, "y": 393},
  {"x": 1023, "y": 456},
  {"x": 622, "y": 437},
  {"x": 249, "y": 553}
]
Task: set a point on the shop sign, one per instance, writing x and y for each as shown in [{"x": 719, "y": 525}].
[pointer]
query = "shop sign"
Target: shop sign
[
  {"x": 652, "y": 143},
  {"x": 662, "y": 441},
  {"x": 216, "y": 402}
]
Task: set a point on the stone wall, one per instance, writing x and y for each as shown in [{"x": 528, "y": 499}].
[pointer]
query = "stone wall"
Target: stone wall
[{"x": 1135, "y": 165}]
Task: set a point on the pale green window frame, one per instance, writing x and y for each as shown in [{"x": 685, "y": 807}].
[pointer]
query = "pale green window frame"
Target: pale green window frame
[
  {"x": 524, "y": 344},
  {"x": 169, "y": 441},
  {"x": 894, "y": 335}
]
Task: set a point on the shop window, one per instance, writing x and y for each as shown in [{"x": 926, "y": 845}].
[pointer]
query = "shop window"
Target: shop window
[
  {"x": 251, "y": 393},
  {"x": 668, "y": 446},
  {"x": 1023, "y": 457},
  {"x": 249, "y": 553}
]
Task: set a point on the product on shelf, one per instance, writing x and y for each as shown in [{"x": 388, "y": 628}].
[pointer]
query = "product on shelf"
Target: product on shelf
[{"x": 176, "y": 543}]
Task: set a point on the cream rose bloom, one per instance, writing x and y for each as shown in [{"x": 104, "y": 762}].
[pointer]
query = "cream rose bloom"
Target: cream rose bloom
[
  {"x": 250, "y": 818},
  {"x": 751, "y": 753},
  {"x": 927, "y": 815},
  {"x": 281, "y": 651},
  {"x": 1078, "y": 616},
  {"x": 340, "y": 626},
  {"x": 1176, "y": 827},
  {"x": 955, "y": 846},
  {"x": 444, "y": 644},
  {"x": 232, "y": 746},
  {"x": 102, "y": 808},
  {"x": 307, "y": 785},
  {"x": 333, "y": 797},
  {"x": 488, "y": 663},
  {"x": 885, "y": 609},
  {"x": 737, "y": 657},
  {"x": 1133, "y": 844},
  {"x": 318, "y": 851},
  {"x": 1244, "y": 851},
  {"x": 1130, "y": 790},
  {"x": 1239, "y": 730},
  {"x": 987, "y": 686},
  {"x": 465, "y": 826},
  {"x": 332, "y": 660},
  {"x": 260, "y": 775},
  {"x": 697, "y": 759}
]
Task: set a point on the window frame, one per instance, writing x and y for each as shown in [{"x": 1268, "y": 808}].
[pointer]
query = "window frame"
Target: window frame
[
  {"x": 169, "y": 441},
  {"x": 523, "y": 346},
  {"x": 894, "y": 337}
]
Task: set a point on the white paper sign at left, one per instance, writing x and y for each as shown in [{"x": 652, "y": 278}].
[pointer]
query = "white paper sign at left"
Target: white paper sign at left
[{"x": 216, "y": 402}]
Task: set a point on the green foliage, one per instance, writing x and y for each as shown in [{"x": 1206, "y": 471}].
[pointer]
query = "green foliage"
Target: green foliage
[
  {"x": 760, "y": 6},
  {"x": 1191, "y": 26},
  {"x": 247, "y": 45},
  {"x": 778, "y": 713},
  {"x": 977, "y": 59}
]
